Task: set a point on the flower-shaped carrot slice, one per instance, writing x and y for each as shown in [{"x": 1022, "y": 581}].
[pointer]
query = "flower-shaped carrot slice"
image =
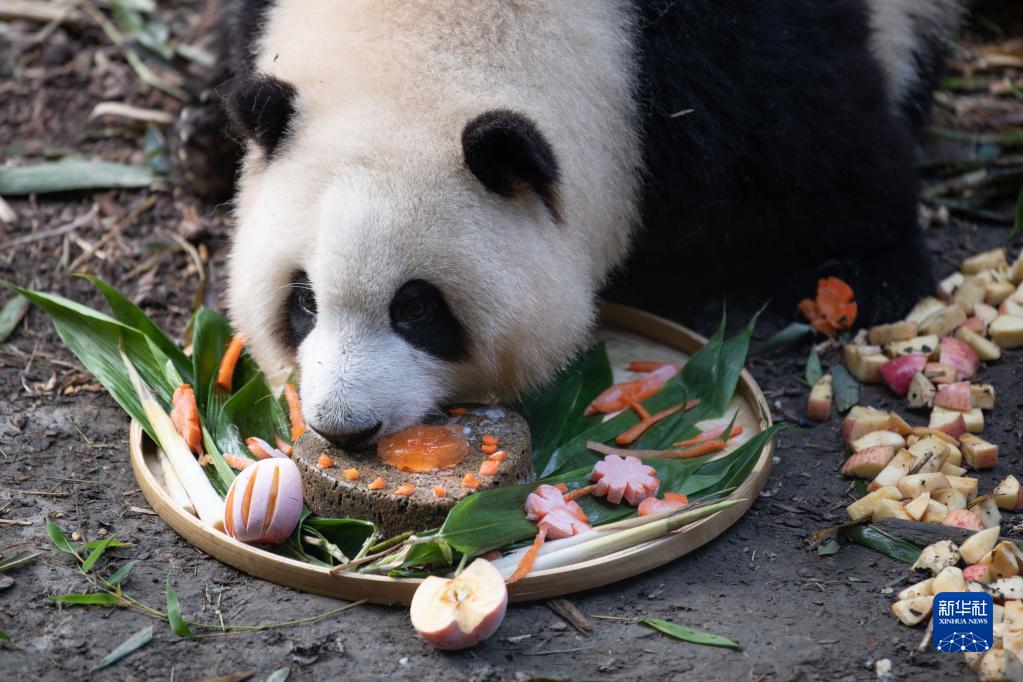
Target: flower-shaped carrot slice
[
  {"x": 627, "y": 478},
  {"x": 545, "y": 499},
  {"x": 561, "y": 523},
  {"x": 652, "y": 505}
]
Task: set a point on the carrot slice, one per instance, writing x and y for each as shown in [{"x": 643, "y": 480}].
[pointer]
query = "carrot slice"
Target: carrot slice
[
  {"x": 283, "y": 446},
  {"x": 709, "y": 435},
  {"x": 324, "y": 462},
  {"x": 649, "y": 365},
  {"x": 378, "y": 484},
  {"x": 677, "y": 497},
  {"x": 439, "y": 491},
  {"x": 702, "y": 449},
  {"x": 488, "y": 449},
  {"x": 185, "y": 416},
  {"x": 470, "y": 481},
  {"x": 252, "y": 443},
  {"x": 456, "y": 411},
  {"x": 613, "y": 398},
  {"x": 351, "y": 474},
  {"x": 298, "y": 425},
  {"x": 489, "y": 439},
  {"x": 489, "y": 467},
  {"x": 498, "y": 456},
  {"x": 630, "y": 435},
  {"x": 529, "y": 558},
  {"x": 405, "y": 490},
  {"x": 229, "y": 361},
  {"x": 238, "y": 462},
  {"x": 563, "y": 487},
  {"x": 579, "y": 492},
  {"x": 638, "y": 408}
]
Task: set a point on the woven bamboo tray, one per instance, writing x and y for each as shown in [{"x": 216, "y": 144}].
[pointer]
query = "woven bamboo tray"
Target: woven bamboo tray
[{"x": 630, "y": 334}]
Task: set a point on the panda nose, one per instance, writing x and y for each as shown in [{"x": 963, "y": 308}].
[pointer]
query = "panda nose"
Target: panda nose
[{"x": 349, "y": 440}]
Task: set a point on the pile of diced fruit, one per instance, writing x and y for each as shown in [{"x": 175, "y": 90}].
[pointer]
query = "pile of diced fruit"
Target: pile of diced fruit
[{"x": 921, "y": 473}]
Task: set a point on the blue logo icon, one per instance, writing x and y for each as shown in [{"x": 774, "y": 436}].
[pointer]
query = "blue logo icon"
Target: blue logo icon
[{"x": 963, "y": 621}]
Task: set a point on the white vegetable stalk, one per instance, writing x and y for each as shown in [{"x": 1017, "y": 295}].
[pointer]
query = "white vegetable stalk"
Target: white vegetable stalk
[
  {"x": 173, "y": 484},
  {"x": 608, "y": 539},
  {"x": 207, "y": 504}
]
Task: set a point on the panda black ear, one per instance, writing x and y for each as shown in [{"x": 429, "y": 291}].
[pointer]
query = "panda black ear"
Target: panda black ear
[
  {"x": 508, "y": 154},
  {"x": 261, "y": 108}
]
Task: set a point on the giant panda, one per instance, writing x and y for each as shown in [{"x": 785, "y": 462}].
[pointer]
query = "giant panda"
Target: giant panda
[{"x": 434, "y": 192}]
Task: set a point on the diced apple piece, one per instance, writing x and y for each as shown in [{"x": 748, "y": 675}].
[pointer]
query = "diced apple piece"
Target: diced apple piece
[
  {"x": 948, "y": 286},
  {"x": 890, "y": 509},
  {"x": 915, "y": 484},
  {"x": 918, "y": 506},
  {"x": 998, "y": 292},
  {"x": 898, "y": 425},
  {"x": 958, "y": 354},
  {"x": 974, "y": 420},
  {"x": 983, "y": 396},
  {"x": 944, "y": 321},
  {"x": 924, "y": 309},
  {"x": 978, "y": 545},
  {"x": 974, "y": 324},
  {"x": 886, "y": 333},
  {"x": 864, "y": 362},
  {"x": 921, "y": 392},
  {"x": 1010, "y": 306},
  {"x": 980, "y": 573},
  {"x": 1007, "y": 493},
  {"x": 930, "y": 446},
  {"x": 1016, "y": 270},
  {"x": 955, "y": 455},
  {"x": 957, "y": 396},
  {"x": 868, "y": 463},
  {"x": 460, "y": 612},
  {"x": 950, "y": 469},
  {"x": 876, "y": 439},
  {"x": 898, "y": 467},
  {"x": 988, "y": 260},
  {"x": 963, "y": 484},
  {"x": 963, "y": 518},
  {"x": 864, "y": 507},
  {"x": 972, "y": 291},
  {"x": 1012, "y": 613},
  {"x": 948, "y": 421},
  {"x": 936, "y": 557},
  {"x": 978, "y": 453},
  {"x": 949, "y": 580},
  {"x": 1003, "y": 563},
  {"x": 985, "y": 312},
  {"x": 918, "y": 345},
  {"x": 1001, "y": 666},
  {"x": 913, "y": 611},
  {"x": 1012, "y": 640},
  {"x": 951, "y": 498},
  {"x": 898, "y": 372},
  {"x": 1007, "y": 331},
  {"x": 863, "y": 420},
  {"x": 920, "y": 589},
  {"x": 938, "y": 373},
  {"x": 1007, "y": 588},
  {"x": 818, "y": 407},
  {"x": 985, "y": 350},
  {"x": 985, "y": 507},
  {"x": 936, "y": 512}
]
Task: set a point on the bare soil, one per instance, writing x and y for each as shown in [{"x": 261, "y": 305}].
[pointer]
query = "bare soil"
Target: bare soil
[{"x": 63, "y": 456}]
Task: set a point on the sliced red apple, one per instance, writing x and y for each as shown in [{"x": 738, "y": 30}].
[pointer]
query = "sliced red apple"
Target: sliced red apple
[
  {"x": 461, "y": 612},
  {"x": 978, "y": 453},
  {"x": 948, "y": 421},
  {"x": 957, "y": 396},
  {"x": 958, "y": 354},
  {"x": 898, "y": 372},
  {"x": 868, "y": 463},
  {"x": 938, "y": 373},
  {"x": 818, "y": 407},
  {"x": 1006, "y": 493},
  {"x": 921, "y": 392},
  {"x": 963, "y": 518}
]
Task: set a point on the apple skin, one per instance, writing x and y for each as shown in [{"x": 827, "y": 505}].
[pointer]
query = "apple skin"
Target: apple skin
[{"x": 468, "y": 622}]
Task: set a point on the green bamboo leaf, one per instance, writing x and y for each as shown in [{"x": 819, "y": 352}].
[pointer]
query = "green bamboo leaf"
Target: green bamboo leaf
[
  {"x": 279, "y": 675},
  {"x": 17, "y": 560},
  {"x": 89, "y": 599},
  {"x": 5, "y": 640},
  {"x": 348, "y": 534},
  {"x": 789, "y": 336},
  {"x": 861, "y": 487},
  {"x": 846, "y": 388},
  {"x": 11, "y": 314},
  {"x": 93, "y": 544},
  {"x": 713, "y": 372},
  {"x": 252, "y": 410},
  {"x": 828, "y": 548},
  {"x": 877, "y": 539},
  {"x": 128, "y": 646},
  {"x": 58, "y": 538},
  {"x": 177, "y": 623},
  {"x": 121, "y": 573},
  {"x": 690, "y": 635},
  {"x": 96, "y": 553},
  {"x": 814, "y": 370},
  {"x": 72, "y": 174},
  {"x": 555, "y": 412}
]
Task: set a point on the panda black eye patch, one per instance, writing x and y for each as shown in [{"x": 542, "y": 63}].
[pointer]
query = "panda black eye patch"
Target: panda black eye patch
[
  {"x": 261, "y": 108},
  {"x": 299, "y": 310},
  {"x": 420, "y": 315}
]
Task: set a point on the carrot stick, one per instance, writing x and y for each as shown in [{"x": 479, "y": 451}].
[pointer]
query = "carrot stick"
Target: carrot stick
[
  {"x": 578, "y": 492},
  {"x": 298, "y": 426},
  {"x": 648, "y": 365},
  {"x": 185, "y": 417},
  {"x": 709, "y": 435},
  {"x": 630, "y": 435},
  {"x": 702, "y": 449},
  {"x": 234, "y": 461},
  {"x": 229, "y": 361},
  {"x": 526, "y": 565},
  {"x": 638, "y": 408}
]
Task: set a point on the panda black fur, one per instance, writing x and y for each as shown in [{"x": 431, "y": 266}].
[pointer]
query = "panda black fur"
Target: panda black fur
[{"x": 700, "y": 139}]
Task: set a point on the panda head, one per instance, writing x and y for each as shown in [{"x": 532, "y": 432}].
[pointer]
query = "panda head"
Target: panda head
[{"x": 400, "y": 263}]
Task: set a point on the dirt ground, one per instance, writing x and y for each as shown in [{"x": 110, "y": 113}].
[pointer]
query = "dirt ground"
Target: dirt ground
[{"x": 63, "y": 446}]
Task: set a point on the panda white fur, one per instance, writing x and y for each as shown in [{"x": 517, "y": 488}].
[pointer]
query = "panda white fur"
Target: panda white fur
[{"x": 434, "y": 191}]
